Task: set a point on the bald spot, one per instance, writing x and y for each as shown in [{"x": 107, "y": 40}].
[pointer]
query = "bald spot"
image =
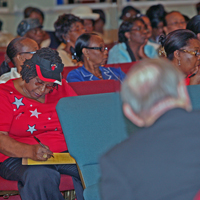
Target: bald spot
[{"x": 144, "y": 80}]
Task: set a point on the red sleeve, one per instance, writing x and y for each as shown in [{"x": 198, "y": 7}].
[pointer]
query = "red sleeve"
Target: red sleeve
[{"x": 6, "y": 111}]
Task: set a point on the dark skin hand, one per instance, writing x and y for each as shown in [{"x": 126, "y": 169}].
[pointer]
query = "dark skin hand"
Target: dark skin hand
[
  {"x": 13, "y": 148},
  {"x": 141, "y": 50},
  {"x": 195, "y": 80}
]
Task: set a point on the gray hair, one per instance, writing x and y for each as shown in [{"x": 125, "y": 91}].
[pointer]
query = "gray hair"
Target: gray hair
[{"x": 149, "y": 82}]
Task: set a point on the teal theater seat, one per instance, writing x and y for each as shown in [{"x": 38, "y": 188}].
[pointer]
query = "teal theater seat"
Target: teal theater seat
[
  {"x": 194, "y": 93},
  {"x": 92, "y": 124}
]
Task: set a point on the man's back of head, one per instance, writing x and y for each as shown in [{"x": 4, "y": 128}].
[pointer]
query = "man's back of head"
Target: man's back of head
[{"x": 151, "y": 88}]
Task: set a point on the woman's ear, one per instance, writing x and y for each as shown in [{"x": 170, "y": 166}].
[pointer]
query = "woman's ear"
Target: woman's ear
[
  {"x": 65, "y": 37},
  {"x": 85, "y": 52},
  {"x": 177, "y": 54},
  {"x": 20, "y": 58},
  {"x": 127, "y": 35},
  {"x": 198, "y": 36}
]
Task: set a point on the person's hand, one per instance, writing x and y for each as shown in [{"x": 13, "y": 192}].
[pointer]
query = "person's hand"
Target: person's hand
[
  {"x": 141, "y": 50},
  {"x": 195, "y": 80},
  {"x": 40, "y": 153}
]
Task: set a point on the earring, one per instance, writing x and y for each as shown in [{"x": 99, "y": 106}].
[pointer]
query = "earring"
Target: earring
[
  {"x": 129, "y": 39},
  {"x": 87, "y": 58},
  {"x": 179, "y": 62},
  {"x": 68, "y": 40}
]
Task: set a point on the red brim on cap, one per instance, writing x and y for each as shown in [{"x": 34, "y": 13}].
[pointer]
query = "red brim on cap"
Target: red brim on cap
[{"x": 39, "y": 73}]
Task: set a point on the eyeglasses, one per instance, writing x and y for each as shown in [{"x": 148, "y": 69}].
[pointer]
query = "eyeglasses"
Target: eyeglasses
[
  {"x": 177, "y": 23},
  {"x": 39, "y": 84},
  {"x": 102, "y": 49},
  {"x": 28, "y": 52},
  {"x": 196, "y": 53},
  {"x": 77, "y": 29},
  {"x": 139, "y": 28}
]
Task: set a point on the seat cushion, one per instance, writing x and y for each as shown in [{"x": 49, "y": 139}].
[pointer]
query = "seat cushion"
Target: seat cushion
[
  {"x": 92, "y": 192},
  {"x": 91, "y": 174}
]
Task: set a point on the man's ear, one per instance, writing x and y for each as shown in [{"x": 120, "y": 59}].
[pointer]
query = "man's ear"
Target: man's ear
[
  {"x": 177, "y": 54},
  {"x": 129, "y": 113}
]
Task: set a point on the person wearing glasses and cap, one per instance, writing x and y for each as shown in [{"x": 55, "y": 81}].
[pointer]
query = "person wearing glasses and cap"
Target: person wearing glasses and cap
[
  {"x": 31, "y": 28},
  {"x": 18, "y": 50},
  {"x": 28, "y": 110},
  {"x": 91, "y": 50}
]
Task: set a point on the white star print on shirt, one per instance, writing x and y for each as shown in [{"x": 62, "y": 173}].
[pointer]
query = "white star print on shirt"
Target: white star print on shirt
[
  {"x": 31, "y": 129},
  {"x": 35, "y": 113},
  {"x": 18, "y": 102}
]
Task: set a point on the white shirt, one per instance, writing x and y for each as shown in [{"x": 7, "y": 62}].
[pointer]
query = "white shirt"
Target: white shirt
[{"x": 9, "y": 75}]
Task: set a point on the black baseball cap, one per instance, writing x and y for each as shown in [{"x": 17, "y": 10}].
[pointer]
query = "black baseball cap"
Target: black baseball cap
[
  {"x": 26, "y": 25},
  {"x": 47, "y": 71}
]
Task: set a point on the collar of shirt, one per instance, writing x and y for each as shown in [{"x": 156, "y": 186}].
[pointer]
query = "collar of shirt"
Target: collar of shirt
[{"x": 106, "y": 73}]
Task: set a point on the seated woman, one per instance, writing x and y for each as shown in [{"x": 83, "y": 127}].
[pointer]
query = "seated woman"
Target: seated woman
[
  {"x": 183, "y": 48},
  {"x": 91, "y": 50},
  {"x": 28, "y": 110},
  {"x": 132, "y": 43},
  {"x": 18, "y": 50},
  {"x": 67, "y": 29}
]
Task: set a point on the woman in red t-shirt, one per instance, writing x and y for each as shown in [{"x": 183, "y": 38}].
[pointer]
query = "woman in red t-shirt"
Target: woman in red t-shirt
[{"x": 27, "y": 110}]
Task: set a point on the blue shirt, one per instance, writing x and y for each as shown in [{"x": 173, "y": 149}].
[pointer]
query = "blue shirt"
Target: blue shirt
[
  {"x": 82, "y": 74},
  {"x": 119, "y": 53}
]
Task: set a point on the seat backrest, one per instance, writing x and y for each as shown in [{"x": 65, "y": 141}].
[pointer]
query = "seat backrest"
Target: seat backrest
[
  {"x": 194, "y": 93},
  {"x": 125, "y": 67},
  {"x": 66, "y": 71},
  {"x": 95, "y": 87},
  {"x": 92, "y": 124}
]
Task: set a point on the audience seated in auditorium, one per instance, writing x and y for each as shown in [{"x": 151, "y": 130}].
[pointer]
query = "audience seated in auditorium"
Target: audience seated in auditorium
[
  {"x": 132, "y": 46},
  {"x": 183, "y": 48},
  {"x": 18, "y": 50},
  {"x": 91, "y": 50},
  {"x": 156, "y": 14},
  {"x": 161, "y": 160},
  {"x": 173, "y": 21},
  {"x": 29, "y": 110},
  {"x": 68, "y": 28},
  {"x": 49, "y": 38},
  {"x": 31, "y": 28}
]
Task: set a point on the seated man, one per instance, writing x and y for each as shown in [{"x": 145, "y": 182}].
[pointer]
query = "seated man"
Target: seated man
[
  {"x": 31, "y": 28},
  {"x": 173, "y": 21},
  {"x": 160, "y": 161}
]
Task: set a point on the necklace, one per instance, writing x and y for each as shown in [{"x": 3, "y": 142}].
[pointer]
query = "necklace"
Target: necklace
[{"x": 100, "y": 77}]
